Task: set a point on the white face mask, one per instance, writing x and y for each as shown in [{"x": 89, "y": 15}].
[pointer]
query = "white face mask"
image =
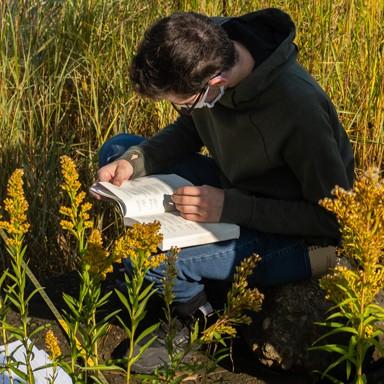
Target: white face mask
[{"x": 202, "y": 103}]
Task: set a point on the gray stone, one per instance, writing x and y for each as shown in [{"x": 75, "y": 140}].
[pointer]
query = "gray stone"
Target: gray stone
[{"x": 285, "y": 328}]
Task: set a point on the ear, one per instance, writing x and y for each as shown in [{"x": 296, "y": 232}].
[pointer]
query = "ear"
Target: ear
[{"x": 219, "y": 80}]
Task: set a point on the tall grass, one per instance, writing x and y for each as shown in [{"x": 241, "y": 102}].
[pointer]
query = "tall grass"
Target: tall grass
[{"x": 64, "y": 85}]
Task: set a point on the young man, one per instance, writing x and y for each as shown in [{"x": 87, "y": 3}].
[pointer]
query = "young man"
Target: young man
[{"x": 276, "y": 145}]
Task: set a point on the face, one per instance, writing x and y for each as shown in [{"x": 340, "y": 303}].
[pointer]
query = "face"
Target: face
[
  {"x": 189, "y": 101},
  {"x": 209, "y": 94}
]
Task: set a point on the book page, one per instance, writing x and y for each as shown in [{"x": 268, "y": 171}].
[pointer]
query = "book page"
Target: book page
[
  {"x": 180, "y": 232},
  {"x": 144, "y": 195}
]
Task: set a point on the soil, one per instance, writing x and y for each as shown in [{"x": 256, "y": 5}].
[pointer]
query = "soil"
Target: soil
[{"x": 241, "y": 368}]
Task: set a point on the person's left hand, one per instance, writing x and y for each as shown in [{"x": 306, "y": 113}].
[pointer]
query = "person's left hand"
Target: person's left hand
[{"x": 204, "y": 204}]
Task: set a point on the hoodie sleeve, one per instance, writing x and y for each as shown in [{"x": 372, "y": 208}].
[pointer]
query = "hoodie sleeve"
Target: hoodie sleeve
[
  {"x": 312, "y": 153},
  {"x": 174, "y": 142}
]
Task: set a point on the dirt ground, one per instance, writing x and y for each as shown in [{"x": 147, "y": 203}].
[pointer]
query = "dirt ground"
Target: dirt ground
[
  {"x": 242, "y": 369},
  {"x": 245, "y": 370}
]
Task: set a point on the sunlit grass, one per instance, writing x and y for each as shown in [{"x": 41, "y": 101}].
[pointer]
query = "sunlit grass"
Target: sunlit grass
[{"x": 64, "y": 85}]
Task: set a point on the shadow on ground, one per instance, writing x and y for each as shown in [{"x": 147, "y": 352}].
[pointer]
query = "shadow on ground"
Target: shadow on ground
[{"x": 242, "y": 368}]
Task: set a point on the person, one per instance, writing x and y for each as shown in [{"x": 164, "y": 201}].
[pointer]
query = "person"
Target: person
[{"x": 276, "y": 147}]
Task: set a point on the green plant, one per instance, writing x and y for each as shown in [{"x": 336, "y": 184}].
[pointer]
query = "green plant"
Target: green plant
[
  {"x": 179, "y": 368},
  {"x": 213, "y": 339},
  {"x": 354, "y": 289},
  {"x": 64, "y": 86},
  {"x": 85, "y": 329},
  {"x": 15, "y": 229},
  {"x": 138, "y": 245}
]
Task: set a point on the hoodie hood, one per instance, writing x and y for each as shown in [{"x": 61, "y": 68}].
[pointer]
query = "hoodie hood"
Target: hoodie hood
[{"x": 268, "y": 34}]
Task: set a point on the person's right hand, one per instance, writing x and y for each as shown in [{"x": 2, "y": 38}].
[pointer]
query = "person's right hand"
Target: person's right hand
[{"x": 115, "y": 172}]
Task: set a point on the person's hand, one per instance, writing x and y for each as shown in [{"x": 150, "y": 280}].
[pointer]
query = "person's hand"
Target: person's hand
[
  {"x": 115, "y": 172},
  {"x": 204, "y": 204}
]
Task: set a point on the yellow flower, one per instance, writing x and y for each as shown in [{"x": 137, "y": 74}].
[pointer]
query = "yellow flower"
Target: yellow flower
[
  {"x": 155, "y": 261},
  {"x": 77, "y": 214},
  {"x": 96, "y": 257},
  {"x": 217, "y": 331},
  {"x": 139, "y": 241},
  {"x": 70, "y": 175},
  {"x": 52, "y": 345},
  {"x": 360, "y": 213},
  {"x": 68, "y": 225},
  {"x": 16, "y": 206},
  {"x": 240, "y": 298}
]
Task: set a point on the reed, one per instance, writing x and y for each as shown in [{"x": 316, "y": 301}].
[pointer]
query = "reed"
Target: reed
[{"x": 64, "y": 85}]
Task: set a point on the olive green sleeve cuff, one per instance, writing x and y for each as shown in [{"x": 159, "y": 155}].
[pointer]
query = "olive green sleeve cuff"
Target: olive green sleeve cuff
[{"x": 135, "y": 157}]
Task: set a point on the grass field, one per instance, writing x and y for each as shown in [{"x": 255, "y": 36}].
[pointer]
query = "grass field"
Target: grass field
[{"x": 64, "y": 86}]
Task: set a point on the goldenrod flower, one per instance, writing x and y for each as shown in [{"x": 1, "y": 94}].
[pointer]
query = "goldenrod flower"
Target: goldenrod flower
[
  {"x": 70, "y": 175},
  {"x": 96, "y": 257},
  {"x": 239, "y": 299},
  {"x": 52, "y": 345},
  {"x": 140, "y": 240},
  {"x": 77, "y": 218},
  {"x": 360, "y": 213},
  {"x": 16, "y": 206},
  {"x": 155, "y": 260}
]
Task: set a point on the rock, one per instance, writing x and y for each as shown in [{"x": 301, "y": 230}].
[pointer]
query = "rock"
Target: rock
[{"x": 285, "y": 328}]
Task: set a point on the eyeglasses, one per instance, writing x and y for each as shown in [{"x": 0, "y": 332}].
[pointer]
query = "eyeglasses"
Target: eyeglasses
[{"x": 184, "y": 109}]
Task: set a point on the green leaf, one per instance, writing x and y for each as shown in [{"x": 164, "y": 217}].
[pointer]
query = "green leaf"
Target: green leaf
[
  {"x": 14, "y": 330},
  {"x": 38, "y": 330},
  {"x": 123, "y": 299},
  {"x": 146, "y": 291},
  {"x": 146, "y": 332},
  {"x": 369, "y": 319},
  {"x": 195, "y": 332},
  {"x": 126, "y": 329},
  {"x": 348, "y": 369},
  {"x": 143, "y": 348},
  {"x": 329, "y": 377},
  {"x": 337, "y": 330},
  {"x": 110, "y": 315},
  {"x": 335, "y": 315},
  {"x": 19, "y": 373},
  {"x": 100, "y": 331},
  {"x": 331, "y": 348},
  {"x": 33, "y": 293},
  {"x": 335, "y": 364}
]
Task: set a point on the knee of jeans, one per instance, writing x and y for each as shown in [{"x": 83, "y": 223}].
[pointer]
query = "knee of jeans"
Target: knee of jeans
[
  {"x": 289, "y": 270},
  {"x": 115, "y": 147}
]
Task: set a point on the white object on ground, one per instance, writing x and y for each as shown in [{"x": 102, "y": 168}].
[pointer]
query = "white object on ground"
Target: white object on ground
[{"x": 40, "y": 358}]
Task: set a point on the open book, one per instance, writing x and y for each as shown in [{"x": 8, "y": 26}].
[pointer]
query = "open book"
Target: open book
[{"x": 148, "y": 198}]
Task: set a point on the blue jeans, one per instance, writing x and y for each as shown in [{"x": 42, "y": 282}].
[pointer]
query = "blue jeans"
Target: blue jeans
[{"x": 283, "y": 258}]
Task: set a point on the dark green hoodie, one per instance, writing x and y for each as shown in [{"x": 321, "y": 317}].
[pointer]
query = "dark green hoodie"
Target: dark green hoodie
[{"x": 275, "y": 136}]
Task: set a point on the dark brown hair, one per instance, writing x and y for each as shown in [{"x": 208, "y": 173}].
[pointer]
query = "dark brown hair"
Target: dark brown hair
[{"x": 179, "y": 54}]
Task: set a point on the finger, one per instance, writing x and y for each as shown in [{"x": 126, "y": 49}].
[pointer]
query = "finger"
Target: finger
[
  {"x": 189, "y": 209},
  {"x": 105, "y": 173},
  {"x": 95, "y": 195},
  {"x": 193, "y": 217},
  {"x": 188, "y": 200},
  {"x": 122, "y": 173},
  {"x": 190, "y": 190}
]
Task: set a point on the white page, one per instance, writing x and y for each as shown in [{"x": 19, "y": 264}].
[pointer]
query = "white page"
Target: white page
[
  {"x": 180, "y": 232},
  {"x": 144, "y": 195}
]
